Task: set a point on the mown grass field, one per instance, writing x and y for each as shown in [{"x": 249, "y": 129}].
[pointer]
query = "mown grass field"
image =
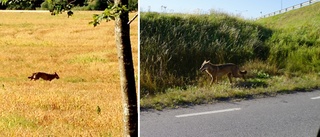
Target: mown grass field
[
  {"x": 280, "y": 53},
  {"x": 85, "y": 57}
]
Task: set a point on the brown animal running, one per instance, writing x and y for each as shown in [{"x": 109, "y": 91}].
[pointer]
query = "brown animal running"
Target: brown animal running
[
  {"x": 44, "y": 76},
  {"x": 218, "y": 70}
]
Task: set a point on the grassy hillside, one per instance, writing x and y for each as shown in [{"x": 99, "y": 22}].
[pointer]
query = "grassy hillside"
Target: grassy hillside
[
  {"x": 281, "y": 53},
  {"x": 295, "y": 44},
  {"x": 85, "y": 58},
  {"x": 295, "y": 18}
]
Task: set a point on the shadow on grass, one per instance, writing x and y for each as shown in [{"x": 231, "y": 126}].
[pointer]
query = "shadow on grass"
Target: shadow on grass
[{"x": 251, "y": 84}]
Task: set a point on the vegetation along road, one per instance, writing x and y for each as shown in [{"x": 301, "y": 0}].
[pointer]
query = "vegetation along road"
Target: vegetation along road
[{"x": 280, "y": 54}]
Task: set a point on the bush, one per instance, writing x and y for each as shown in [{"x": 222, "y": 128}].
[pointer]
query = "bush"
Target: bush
[
  {"x": 103, "y": 4},
  {"x": 98, "y": 4},
  {"x": 133, "y": 5},
  {"x": 46, "y": 5},
  {"x": 21, "y": 5}
]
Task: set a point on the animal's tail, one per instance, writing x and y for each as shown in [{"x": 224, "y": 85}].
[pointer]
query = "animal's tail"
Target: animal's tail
[{"x": 243, "y": 72}]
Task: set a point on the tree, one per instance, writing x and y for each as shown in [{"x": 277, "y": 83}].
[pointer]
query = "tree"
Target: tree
[
  {"x": 128, "y": 88},
  {"x": 120, "y": 13},
  {"x": 48, "y": 4},
  {"x": 54, "y": 6},
  {"x": 20, "y": 4}
]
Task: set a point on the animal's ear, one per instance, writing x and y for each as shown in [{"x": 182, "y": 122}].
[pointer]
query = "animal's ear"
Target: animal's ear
[{"x": 208, "y": 61}]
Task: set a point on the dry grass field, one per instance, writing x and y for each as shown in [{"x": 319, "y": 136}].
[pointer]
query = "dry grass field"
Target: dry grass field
[{"x": 85, "y": 57}]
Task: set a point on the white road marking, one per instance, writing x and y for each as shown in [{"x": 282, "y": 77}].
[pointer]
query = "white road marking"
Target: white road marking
[
  {"x": 208, "y": 112},
  {"x": 316, "y": 97}
]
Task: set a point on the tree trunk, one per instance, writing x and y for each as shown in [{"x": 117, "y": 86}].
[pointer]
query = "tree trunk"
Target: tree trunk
[{"x": 127, "y": 81}]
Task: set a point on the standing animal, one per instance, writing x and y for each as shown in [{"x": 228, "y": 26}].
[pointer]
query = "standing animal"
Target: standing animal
[
  {"x": 218, "y": 70},
  {"x": 44, "y": 76}
]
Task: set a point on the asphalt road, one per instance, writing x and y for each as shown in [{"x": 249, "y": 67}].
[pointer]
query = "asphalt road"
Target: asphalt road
[{"x": 290, "y": 115}]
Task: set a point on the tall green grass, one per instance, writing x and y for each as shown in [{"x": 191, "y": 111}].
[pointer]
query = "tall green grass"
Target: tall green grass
[
  {"x": 295, "y": 55},
  {"x": 173, "y": 46}
]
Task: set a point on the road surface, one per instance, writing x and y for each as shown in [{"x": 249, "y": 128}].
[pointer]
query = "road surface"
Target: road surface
[{"x": 290, "y": 115}]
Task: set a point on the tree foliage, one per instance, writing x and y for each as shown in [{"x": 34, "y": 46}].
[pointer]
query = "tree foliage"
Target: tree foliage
[
  {"x": 58, "y": 6},
  {"x": 21, "y": 4},
  {"x": 99, "y": 4},
  {"x": 109, "y": 14},
  {"x": 48, "y": 4}
]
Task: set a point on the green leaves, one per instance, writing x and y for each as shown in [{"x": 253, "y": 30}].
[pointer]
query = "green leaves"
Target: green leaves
[
  {"x": 59, "y": 6},
  {"x": 3, "y": 2},
  {"x": 109, "y": 14}
]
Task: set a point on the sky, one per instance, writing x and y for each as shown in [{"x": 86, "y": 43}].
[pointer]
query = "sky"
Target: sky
[{"x": 248, "y": 9}]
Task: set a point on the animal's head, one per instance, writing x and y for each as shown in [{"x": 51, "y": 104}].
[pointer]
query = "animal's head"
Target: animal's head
[
  {"x": 56, "y": 75},
  {"x": 205, "y": 65}
]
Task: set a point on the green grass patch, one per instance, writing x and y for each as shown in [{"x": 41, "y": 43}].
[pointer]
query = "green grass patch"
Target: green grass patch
[
  {"x": 252, "y": 88},
  {"x": 89, "y": 58},
  {"x": 14, "y": 121},
  {"x": 75, "y": 79}
]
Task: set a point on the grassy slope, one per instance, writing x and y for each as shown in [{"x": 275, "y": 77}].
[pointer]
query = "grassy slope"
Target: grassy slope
[
  {"x": 294, "y": 42},
  {"x": 294, "y": 19},
  {"x": 85, "y": 58}
]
